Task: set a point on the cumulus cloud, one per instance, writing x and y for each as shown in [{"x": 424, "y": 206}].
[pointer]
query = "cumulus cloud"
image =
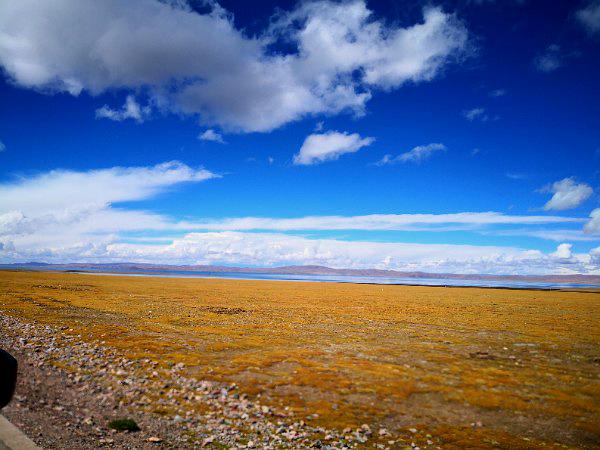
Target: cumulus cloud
[
  {"x": 130, "y": 110},
  {"x": 589, "y": 17},
  {"x": 593, "y": 225},
  {"x": 416, "y": 155},
  {"x": 563, "y": 251},
  {"x": 318, "y": 148},
  {"x": 273, "y": 249},
  {"x": 212, "y": 136},
  {"x": 567, "y": 194},
  {"x": 476, "y": 114},
  {"x": 336, "y": 54}
]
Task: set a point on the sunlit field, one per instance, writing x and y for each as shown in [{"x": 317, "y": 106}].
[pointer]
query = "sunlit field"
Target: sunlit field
[{"x": 458, "y": 366}]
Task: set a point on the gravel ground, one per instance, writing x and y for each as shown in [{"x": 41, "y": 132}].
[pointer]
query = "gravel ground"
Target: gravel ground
[{"x": 69, "y": 390}]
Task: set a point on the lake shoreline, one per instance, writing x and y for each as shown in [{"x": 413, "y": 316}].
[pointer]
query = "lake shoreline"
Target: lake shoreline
[{"x": 342, "y": 279}]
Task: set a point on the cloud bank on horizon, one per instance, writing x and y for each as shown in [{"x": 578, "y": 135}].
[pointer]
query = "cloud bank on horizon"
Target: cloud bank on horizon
[
  {"x": 43, "y": 219},
  {"x": 246, "y": 88}
]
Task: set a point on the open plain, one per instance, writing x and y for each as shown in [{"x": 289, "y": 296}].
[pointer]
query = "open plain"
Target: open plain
[{"x": 234, "y": 363}]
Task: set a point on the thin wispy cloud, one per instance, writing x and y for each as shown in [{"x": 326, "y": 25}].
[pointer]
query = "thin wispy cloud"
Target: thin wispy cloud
[
  {"x": 516, "y": 176},
  {"x": 476, "y": 114},
  {"x": 497, "y": 93},
  {"x": 552, "y": 58},
  {"x": 417, "y": 155},
  {"x": 556, "y": 235},
  {"x": 387, "y": 222},
  {"x": 589, "y": 17}
]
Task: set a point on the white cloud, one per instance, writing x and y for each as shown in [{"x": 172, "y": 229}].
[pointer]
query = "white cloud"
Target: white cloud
[
  {"x": 63, "y": 216},
  {"x": 212, "y": 136},
  {"x": 556, "y": 235},
  {"x": 567, "y": 194},
  {"x": 60, "y": 189},
  {"x": 476, "y": 114},
  {"x": 563, "y": 251},
  {"x": 318, "y": 148},
  {"x": 2, "y": 147},
  {"x": 421, "y": 152},
  {"x": 416, "y": 155},
  {"x": 595, "y": 256},
  {"x": 593, "y": 225},
  {"x": 63, "y": 209},
  {"x": 381, "y": 222},
  {"x": 589, "y": 17},
  {"x": 130, "y": 110},
  {"x": 200, "y": 64},
  {"x": 270, "y": 249}
]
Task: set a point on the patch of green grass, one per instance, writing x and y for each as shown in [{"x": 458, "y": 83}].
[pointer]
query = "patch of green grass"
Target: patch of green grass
[{"x": 123, "y": 425}]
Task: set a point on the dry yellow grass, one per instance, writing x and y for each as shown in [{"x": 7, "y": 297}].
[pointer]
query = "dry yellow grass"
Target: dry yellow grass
[{"x": 524, "y": 363}]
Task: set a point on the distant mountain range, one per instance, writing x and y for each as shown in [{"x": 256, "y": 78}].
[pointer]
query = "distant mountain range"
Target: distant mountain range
[{"x": 297, "y": 270}]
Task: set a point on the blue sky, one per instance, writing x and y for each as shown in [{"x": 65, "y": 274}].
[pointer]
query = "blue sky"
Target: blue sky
[{"x": 451, "y": 136}]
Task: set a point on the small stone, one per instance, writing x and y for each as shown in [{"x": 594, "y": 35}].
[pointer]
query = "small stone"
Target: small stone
[{"x": 154, "y": 439}]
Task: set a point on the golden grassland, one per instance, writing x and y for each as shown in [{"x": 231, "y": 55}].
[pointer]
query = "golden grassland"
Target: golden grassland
[{"x": 524, "y": 363}]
